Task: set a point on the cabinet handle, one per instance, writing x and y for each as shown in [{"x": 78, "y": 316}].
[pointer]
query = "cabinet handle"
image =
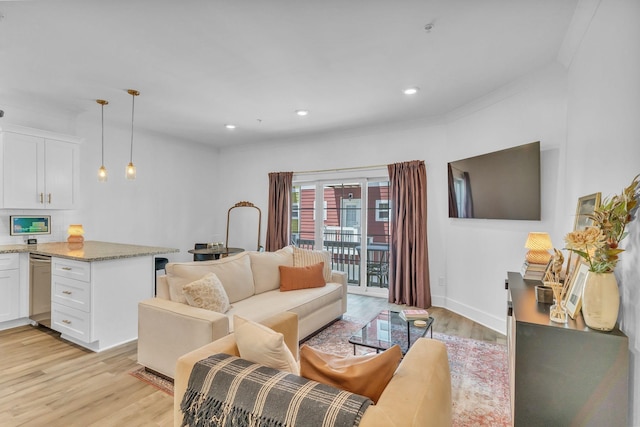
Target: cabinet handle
[
  {"x": 510, "y": 311},
  {"x": 66, "y": 322},
  {"x": 67, "y": 268},
  {"x": 506, "y": 283},
  {"x": 49, "y": 198},
  {"x": 67, "y": 292},
  {"x": 41, "y": 198}
]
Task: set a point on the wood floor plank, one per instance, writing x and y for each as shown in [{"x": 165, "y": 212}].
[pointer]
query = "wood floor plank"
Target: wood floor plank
[{"x": 49, "y": 382}]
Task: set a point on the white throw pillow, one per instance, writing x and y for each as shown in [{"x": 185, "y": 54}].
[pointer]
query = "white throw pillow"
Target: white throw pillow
[
  {"x": 207, "y": 293},
  {"x": 234, "y": 272},
  {"x": 260, "y": 344},
  {"x": 176, "y": 284},
  {"x": 307, "y": 257},
  {"x": 264, "y": 265}
]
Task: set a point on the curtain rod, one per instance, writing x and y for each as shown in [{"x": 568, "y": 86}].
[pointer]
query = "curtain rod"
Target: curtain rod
[{"x": 341, "y": 169}]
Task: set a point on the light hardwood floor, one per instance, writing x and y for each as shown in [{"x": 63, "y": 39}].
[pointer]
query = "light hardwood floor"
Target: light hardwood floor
[{"x": 46, "y": 381}]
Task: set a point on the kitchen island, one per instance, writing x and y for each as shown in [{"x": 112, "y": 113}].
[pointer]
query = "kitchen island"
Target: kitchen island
[
  {"x": 95, "y": 289},
  {"x": 87, "y": 251}
]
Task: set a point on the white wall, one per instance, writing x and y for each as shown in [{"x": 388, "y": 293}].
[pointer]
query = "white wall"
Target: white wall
[
  {"x": 603, "y": 144},
  {"x": 480, "y": 252},
  {"x": 171, "y": 203}
]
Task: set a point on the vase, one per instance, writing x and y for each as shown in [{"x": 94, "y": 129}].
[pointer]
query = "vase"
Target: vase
[{"x": 600, "y": 301}]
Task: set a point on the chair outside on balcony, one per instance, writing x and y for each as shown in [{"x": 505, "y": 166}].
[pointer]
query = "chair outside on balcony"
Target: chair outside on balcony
[{"x": 378, "y": 265}]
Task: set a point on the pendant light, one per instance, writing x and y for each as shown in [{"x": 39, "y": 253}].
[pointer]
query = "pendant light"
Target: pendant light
[
  {"x": 102, "y": 172},
  {"x": 130, "y": 172}
]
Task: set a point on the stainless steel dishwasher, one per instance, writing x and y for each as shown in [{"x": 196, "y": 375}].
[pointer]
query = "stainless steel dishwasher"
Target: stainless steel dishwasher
[{"x": 40, "y": 289}]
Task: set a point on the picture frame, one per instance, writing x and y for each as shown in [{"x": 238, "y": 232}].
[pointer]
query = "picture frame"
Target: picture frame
[
  {"x": 573, "y": 300},
  {"x": 586, "y": 206}
]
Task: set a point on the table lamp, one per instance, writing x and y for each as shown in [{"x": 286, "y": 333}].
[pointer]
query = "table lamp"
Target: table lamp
[
  {"x": 76, "y": 233},
  {"x": 538, "y": 245}
]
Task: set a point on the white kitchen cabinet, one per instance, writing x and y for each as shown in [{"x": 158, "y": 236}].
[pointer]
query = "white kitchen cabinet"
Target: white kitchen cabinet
[
  {"x": 95, "y": 304},
  {"x": 39, "y": 169},
  {"x": 9, "y": 287}
]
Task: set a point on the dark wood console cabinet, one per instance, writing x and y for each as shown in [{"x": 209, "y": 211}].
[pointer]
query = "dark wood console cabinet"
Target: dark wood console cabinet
[{"x": 563, "y": 374}]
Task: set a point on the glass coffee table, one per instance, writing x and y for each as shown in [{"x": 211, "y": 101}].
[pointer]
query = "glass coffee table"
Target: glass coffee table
[{"x": 388, "y": 329}]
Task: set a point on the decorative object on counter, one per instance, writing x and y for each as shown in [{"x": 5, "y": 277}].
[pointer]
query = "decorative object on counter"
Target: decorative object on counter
[
  {"x": 554, "y": 270},
  {"x": 584, "y": 211},
  {"x": 553, "y": 280},
  {"x": 26, "y": 225},
  {"x": 573, "y": 296},
  {"x": 130, "y": 172},
  {"x": 538, "y": 245},
  {"x": 420, "y": 323},
  {"x": 544, "y": 294},
  {"x": 557, "y": 312},
  {"x": 76, "y": 233},
  {"x": 531, "y": 271},
  {"x": 414, "y": 314},
  {"x": 598, "y": 245},
  {"x": 102, "y": 171}
]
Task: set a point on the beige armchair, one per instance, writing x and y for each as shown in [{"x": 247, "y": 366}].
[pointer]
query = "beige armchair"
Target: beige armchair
[{"x": 419, "y": 394}]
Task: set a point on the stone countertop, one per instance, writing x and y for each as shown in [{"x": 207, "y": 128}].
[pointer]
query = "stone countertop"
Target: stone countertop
[{"x": 88, "y": 251}]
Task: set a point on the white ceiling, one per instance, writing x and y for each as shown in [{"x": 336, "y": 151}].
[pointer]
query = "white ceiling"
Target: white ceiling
[{"x": 200, "y": 64}]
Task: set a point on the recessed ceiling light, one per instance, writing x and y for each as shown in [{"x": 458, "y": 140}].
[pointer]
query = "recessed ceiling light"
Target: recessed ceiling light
[
  {"x": 230, "y": 126},
  {"x": 411, "y": 90},
  {"x": 302, "y": 112}
]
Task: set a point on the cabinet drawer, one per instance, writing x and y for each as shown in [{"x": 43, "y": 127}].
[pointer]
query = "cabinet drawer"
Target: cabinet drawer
[
  {"x": 72, "y": 322},
  {"x": 9, "y": 261},
  {"x": 72, "y": 269},
  {"x": 71, "y": 293}
]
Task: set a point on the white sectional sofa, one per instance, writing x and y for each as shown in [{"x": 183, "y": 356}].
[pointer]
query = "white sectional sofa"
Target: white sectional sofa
[{"x": 168, "y": 329}]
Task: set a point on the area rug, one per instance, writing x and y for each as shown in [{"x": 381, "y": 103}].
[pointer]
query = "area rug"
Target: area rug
[
  {"x": 479, "y": 373},
  {"x": 162, "y": 384}
]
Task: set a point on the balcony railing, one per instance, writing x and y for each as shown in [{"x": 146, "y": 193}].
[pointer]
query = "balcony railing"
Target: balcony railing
[{"x": 345, "y": 256}]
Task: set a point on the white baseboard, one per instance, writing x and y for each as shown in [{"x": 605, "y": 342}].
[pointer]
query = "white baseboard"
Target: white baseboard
[
  {"x": 14, "y": 323},
  {"x": 489, "y": 320},
  {"x": 438, "y": 301}
]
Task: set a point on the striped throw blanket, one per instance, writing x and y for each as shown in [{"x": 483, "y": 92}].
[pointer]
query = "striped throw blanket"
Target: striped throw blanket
[{"x": 225, "y": 390}]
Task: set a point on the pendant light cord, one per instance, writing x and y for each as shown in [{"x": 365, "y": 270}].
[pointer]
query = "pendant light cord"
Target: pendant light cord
[
  {"x": 102, "y": 134},
  {"x": 133, "y": 103}
]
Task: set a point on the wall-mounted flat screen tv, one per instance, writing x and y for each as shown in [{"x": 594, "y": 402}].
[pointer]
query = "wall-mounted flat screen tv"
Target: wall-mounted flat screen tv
[
  {"x": 22, "y": 225},
  {"x": 504, "y": 184}
]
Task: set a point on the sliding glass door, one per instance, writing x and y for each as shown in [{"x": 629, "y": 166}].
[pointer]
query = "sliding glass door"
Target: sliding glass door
[{"x": 350, "y": 219}]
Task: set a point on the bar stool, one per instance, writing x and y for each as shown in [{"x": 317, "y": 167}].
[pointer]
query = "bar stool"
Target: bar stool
[{"x": 161, "y": 264}]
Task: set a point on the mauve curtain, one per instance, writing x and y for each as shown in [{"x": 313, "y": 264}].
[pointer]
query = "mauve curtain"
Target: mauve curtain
[
  {"x": 409, "y": 258},
  {"x": 453, "y": 205},
  {"x": 278, "y": 218},
  {"x": 468, "y": 200}
]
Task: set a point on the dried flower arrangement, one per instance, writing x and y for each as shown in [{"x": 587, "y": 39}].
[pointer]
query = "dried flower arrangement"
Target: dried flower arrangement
[{"x": 599, "y": 243}]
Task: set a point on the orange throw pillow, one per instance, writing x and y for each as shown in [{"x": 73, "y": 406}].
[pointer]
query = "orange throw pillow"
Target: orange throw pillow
[
  {"x": 366, "y": 375},
  {"x": 293, "y": 278}
]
